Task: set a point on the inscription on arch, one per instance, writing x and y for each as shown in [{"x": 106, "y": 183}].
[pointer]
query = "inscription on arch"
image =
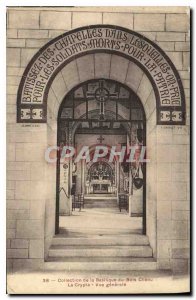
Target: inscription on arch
[{"x": 38, "y": 76}]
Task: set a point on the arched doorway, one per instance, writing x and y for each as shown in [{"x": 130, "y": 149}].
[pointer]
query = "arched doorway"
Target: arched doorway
[{"x": 107, "y": 114}]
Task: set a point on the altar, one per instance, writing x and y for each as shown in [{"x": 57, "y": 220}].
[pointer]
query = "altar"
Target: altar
[
  {"x": 100, "y": 179},
  {"x": 101, "y": 186}
]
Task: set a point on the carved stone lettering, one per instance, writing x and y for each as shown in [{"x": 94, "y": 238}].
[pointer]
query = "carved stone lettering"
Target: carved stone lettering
[{"x": 53, "y": 56}]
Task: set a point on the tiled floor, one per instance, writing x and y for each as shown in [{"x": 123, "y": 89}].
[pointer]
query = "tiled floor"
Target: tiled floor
[{"x": 101, "y": 219}]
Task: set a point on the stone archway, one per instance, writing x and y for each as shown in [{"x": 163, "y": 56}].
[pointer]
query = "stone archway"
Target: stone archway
[
  {"x": 90, "y": 67},
  {"x": 51, "y": 59},
  {"x": 39, "y": 101}
]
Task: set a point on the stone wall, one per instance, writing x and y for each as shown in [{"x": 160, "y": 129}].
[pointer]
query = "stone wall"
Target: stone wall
[{"x": 29, "y": 205}]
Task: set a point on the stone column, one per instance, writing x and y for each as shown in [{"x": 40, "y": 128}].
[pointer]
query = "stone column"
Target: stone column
[
  {"x": 65, "y": 198},
  {"x": 130, "y": 191},
  {"x": 82, "y": 177},
  {"x": 117, "y": 180}
]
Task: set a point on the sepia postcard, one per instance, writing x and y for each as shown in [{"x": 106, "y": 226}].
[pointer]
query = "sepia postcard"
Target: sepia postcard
[{"x": 98, "y": 150}]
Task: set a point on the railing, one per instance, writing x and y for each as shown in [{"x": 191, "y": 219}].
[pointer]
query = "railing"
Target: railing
[
  {"x": 78, "y": 202},
  {"x": 63, "y": 191},
  {"x": 123, "y": 202}
]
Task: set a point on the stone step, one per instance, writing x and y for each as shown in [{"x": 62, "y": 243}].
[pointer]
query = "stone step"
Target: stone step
[
  {"x": 82, "y": 232},
  {"x": 132, "y": 251},
  {"x": 100, "y": 205},
  {"x": 102, "y": 240},
  {"x": 128, "y": 265},
  {"x": 101, "y": 259},
  {"x": 101, "y": 201},
  {"x": 108, "y": 200},
  {"x": 100, "y": 197}
]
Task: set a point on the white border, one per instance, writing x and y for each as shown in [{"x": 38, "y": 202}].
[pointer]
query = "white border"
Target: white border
[
  {"x": 98, "y": 3},
  {"x": 3, "y": 4}
]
